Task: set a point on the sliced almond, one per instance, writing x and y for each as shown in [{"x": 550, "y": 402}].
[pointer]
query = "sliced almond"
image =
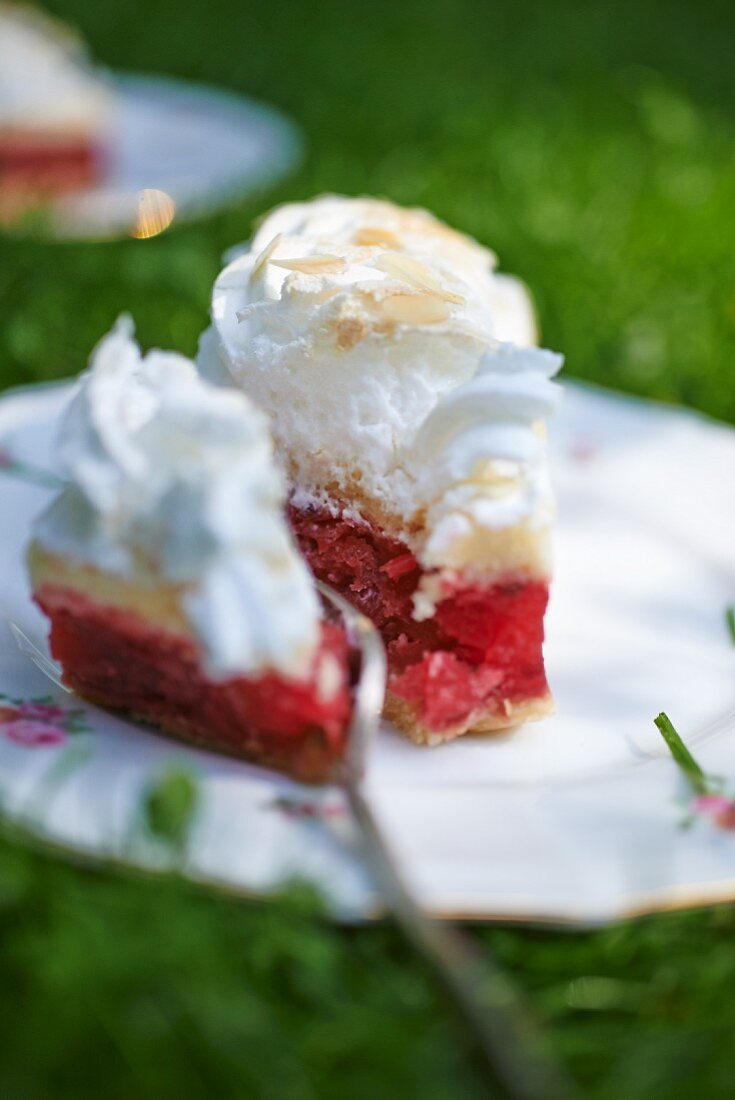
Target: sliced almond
[
  {"x": 411, "y": 271},
  {"x": 414, "y": 309},
  {"x": 314, "y": 265},
  {"x": 370, "y": 236},
  {"x": 415, "y": 274},
  {"x": 265, "y": 256}
]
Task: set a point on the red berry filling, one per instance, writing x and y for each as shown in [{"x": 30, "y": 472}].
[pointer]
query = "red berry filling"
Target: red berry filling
[
  {"x": 480, "y": 652},
  {"x": 48, "y": 165},
  {"x": 118, "y": 660}
]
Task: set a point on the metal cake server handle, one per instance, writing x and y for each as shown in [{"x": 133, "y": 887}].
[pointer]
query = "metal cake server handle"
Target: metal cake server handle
[
  {"x": 511, "y": 1049},
  {"x": 41, "y": 660}
]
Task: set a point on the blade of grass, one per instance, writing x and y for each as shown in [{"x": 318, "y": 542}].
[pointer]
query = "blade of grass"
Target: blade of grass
[
  {"x": 730, "y": 620},
  {"x": 681, "y": 754}
]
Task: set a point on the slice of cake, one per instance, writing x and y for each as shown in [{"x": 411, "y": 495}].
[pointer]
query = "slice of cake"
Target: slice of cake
[
  {"x": 407, "y": 407},
  {"x": 54, "y": 109},
  {"x": 166, "y": 568}
]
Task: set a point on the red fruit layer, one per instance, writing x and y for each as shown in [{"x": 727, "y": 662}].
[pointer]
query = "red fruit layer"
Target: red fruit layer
[
  {"x": 482, "y": 647},
  {"x": 116, "y": 659},
  {"x": 48, "y": 165}
]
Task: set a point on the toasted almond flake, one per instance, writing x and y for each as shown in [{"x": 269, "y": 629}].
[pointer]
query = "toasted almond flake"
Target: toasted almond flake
[
  {"x": 371, "y": 236},
  {"x": 414, "y": 309},
  {"x": 403, "y": 267},
  {"x": 314, "y": 265},
  {"x": 265, "y": 256},
  {"x": 415, "y": 274}
]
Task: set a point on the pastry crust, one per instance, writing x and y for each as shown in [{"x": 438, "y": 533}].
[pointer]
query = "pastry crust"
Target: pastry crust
[{"x": 483, "y": 720}]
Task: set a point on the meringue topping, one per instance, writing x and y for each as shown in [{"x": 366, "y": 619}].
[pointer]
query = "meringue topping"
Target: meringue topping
[{"x": 395, "y": 364}]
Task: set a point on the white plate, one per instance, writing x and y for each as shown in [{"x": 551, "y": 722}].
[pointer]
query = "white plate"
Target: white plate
[
  {"x": 568, "y": 820},
  {"x": 202, "y": 147}
]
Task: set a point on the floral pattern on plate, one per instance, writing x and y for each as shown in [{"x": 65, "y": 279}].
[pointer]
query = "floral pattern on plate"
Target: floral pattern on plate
[{"x": 39, "y": 723}]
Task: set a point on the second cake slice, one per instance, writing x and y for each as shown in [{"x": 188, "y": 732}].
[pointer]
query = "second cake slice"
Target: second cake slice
[{"x": 172, "y": 584}]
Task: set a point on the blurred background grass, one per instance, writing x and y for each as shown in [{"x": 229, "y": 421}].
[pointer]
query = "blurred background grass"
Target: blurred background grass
[{"x": 591, "y": 144}]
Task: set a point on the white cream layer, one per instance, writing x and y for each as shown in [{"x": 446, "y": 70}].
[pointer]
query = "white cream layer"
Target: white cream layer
[
  {"x": 173, "y": 478},
  {"x": 377, "y": 340}
]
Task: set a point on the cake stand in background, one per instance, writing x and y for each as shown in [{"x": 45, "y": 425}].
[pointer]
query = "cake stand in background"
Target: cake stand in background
[{"x": 174, "y": 151}]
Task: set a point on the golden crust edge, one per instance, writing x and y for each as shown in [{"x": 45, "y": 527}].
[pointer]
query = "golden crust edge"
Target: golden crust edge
[{"x": 482, "y": 720}]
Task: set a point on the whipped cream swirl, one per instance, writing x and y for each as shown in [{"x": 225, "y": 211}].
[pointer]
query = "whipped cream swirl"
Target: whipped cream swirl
[
  {"x": 172, "y": 480},
  {"x": 480, "y": 456}
]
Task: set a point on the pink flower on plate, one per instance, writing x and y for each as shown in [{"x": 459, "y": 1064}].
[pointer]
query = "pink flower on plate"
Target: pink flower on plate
[
  {"x": 6, "y": 460},
  {"x": 43, "y": 712},
  {"x": 711, "y": 804},
  {"x": 718, "y": 807},
  {"x": 305, "y": 810},
  {"x": 32, "y": 733}
]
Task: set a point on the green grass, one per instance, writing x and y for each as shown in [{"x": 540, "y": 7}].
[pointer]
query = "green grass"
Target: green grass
[
  {"x": 122, "y": 987},
  {"x": 592, "y": 144}
]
